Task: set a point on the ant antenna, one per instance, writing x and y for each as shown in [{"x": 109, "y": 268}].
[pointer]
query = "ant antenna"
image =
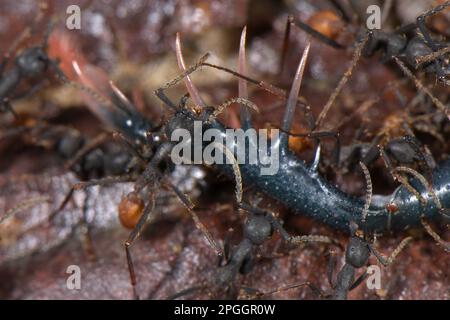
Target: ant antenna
[
  {"x": 387, "y": 261},
  {"x": 420, "y": 60},
  {"x": 237, "y": 172},
  {"x": 369, "y": 191},
  {"x": 444, "y": 244}
]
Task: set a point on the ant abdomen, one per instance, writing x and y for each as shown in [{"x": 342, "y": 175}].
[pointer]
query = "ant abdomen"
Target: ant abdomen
[
  {"x": 326, "y": 22},
  {"x": 130, "y": 210}
]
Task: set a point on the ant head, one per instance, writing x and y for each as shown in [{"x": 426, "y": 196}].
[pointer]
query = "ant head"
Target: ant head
[
  {"x": 181, "y": 119},
  {"x": 357, "y": 252},
  {"x": 70, "y": 144},
  {"x": 32, "y": 61},
  {"x": 257, "y": 229}
]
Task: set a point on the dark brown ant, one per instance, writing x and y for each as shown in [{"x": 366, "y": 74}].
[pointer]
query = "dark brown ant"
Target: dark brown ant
[
  {"x": 357, "y": 254},
  {"x": 150, "y": 150},
  {"x": 31, "y": 63},
  {"x": 258, "y": 228},
  {"x": 88, "y": 158},
  {"x": 396, "y": 142},
  {"x": 393, "y": 44}
]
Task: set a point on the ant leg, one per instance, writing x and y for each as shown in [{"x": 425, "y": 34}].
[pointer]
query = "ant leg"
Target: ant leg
[
  {"x": 160, "y": 91},
  {"x": 226, "y": 249},
  {"x": 87, "y": 184},
  {"x": 98, "y": 140},
  {"x": 23, "y": 205},
  {"x": 431, "y": 131},
  {"x": 330, "y": 269},
  {"x": 398, "y": 177},
  {"x": 132, "y": 237},
  {"x": 245, "y": 116},
  {"x": 374, "y": 151},
  {"x": 425, "y": 183},
  {"x": 86, "y": 231},
  {"x": 420, "y": 60},
  {"x": 433, "y": 44},
  {"x": 278, "y": 92},
  {"x": 358, "y": 281},
  {"x": 292, "y": 99},
  {"x": 185, "y": 292},
  {"x": 26, "y": 33},
  {"x": 387, "y": 261},
  {"x": 199, "y": 225},
  {"x": 29, "y": 93},
  {"x": 422, "y": 88},
  {"x": 444, "y": 244},
  {"x": 259, "y": 294},
  {"x": 318, "y": 35},
  {"x": 343, "y": 81}
]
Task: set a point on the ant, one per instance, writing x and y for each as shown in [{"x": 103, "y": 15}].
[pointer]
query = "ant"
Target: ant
[
  {"x": 325, "y": 27},
  {"x": 151, "y": 148},
  {"x": 406, "y": 148},
  {"x": 86, "y": 157},
  {"x": 357, "y": 254},
  {"x": 258, "y": 229},
  {"x": 31, "y": 63}
]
